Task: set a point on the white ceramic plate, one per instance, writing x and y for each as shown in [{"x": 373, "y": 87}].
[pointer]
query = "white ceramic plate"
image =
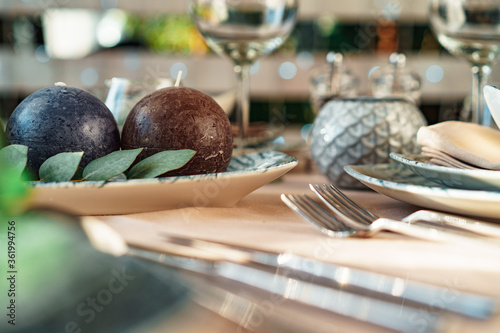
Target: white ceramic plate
[
  {"x": 398, "y": 182},
  {"x": 245, "y": 174},
  {"x": 450, "y": 177}
]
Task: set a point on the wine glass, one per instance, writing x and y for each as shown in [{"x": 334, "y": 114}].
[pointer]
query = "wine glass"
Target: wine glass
[
  {"x": 124, "y": 93},
  {"x": 470, "y": 29},
  {"x": 243, "y": 30}
]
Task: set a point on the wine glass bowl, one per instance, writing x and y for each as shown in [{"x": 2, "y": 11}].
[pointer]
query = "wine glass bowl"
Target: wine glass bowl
[
  {"x": 244, "y": 31},
  {"x": 470, "y": 29}
]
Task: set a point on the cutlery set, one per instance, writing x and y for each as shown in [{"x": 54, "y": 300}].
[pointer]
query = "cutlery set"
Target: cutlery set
[
  {"x": 235, "y": 281},
  {"x": 339, "y": 216},
  {"x": 243, "y": 279}
]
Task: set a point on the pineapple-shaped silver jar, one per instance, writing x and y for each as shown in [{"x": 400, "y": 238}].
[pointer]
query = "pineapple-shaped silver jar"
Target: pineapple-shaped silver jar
[{"x": 363, "y": 130}]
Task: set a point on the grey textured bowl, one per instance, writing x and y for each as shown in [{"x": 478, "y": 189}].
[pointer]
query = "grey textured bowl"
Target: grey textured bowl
[{"x": 363, "y": 130}]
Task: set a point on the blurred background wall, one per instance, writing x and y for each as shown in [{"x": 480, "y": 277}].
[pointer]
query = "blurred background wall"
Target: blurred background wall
[{"x": 85, "y": 43}]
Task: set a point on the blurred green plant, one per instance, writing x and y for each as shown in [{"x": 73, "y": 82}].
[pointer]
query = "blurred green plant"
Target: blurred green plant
[
  {"x": 176, "y": 34},
  {"x": 61, "y": 281},
  {"x": 14, "y": 193},
  {"x": 173, "y": 34}
]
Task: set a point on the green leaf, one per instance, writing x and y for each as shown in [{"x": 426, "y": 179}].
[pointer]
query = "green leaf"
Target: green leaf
[
  {"x": 110, "y": 165},
  {"x": 13, "y": 191},
  {"x": 78, "y": 174},
  {"x": 160, "y": 163},
  {"x": 120, "y": 177},
  {"x": 60, "y": 167},
  {"x": 15, "y": 157}
]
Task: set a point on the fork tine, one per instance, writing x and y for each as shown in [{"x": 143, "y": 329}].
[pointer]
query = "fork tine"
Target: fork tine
[
  {"x": 308, "y": 210},
  {"x": 362, "y": 210},
  {"x": 304, "y": 210},
  {"x": 338, "y": 201},
  {"x": 345, "y": 214},
  {"x": 313, "y": 213},
  {"x": 333, "y": 201},
  {"x": 330, "y": 222}
]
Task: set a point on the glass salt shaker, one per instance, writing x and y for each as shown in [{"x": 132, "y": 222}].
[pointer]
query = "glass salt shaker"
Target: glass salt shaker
[
  {"x": 396, "y": 80},
  {"x": 331, "y": 81}
]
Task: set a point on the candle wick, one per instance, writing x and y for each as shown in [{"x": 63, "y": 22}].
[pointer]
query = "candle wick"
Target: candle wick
[{"x": 178, "y": 81}]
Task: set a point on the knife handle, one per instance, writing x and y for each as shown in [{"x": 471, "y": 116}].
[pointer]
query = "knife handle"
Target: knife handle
[{"x": 479, "y": 227}]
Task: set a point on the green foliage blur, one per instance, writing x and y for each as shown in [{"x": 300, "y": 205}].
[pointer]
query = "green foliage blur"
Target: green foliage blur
[
  {"x": 171, "y": 34},
  {"x": 13, "y": 190},
  {"x": 175, "y": 34}
]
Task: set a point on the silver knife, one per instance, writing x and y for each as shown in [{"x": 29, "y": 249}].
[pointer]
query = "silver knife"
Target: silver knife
[
  {"x": 374, "y": 311},
  {"x": 315, "y": 296},
  {"x": 356, "y": 280},
  {"x": 461, "y": 222}
]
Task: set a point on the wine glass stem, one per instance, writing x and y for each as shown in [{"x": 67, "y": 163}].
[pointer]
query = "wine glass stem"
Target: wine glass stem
[
  {"x": 243, "y": 108},
  {"x": 480, "y": 75}
]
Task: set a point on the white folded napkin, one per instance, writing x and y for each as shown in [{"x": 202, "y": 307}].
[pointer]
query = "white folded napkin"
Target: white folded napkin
[
  {"x": 461, "y": 145},
  {"x": 437, "y": 157}
]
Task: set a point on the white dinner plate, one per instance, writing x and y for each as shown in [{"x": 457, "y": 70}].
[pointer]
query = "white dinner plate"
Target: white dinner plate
[
  {"x": 451, "y": 177},
  {"x": 397, "y": 181},
  {"x": 245, "y": 174}
]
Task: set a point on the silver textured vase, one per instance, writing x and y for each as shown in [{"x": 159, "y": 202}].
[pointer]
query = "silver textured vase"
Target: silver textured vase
[{"x": 363, "y": 130}]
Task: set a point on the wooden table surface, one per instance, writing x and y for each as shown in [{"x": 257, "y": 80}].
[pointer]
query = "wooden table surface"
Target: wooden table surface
[{"x": 262, "y": 221}]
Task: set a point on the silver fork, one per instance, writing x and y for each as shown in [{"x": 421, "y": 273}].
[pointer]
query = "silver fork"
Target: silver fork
[
  {"x": 336, "y": 200},
  {"x": 338, "y": 226},
  {"x": 348, "y": 226},
  {"x": 313, "y": 213}
]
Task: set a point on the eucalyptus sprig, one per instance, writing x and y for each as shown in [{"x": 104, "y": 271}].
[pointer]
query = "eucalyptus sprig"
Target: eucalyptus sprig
[
  {"x": 109, "y": 166},
  {"x": 14, "y": 193},
  {"x": 64, "y": 167},
  {"x": 15, "y": 158},
  {"x": 60, "y": 167}
]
